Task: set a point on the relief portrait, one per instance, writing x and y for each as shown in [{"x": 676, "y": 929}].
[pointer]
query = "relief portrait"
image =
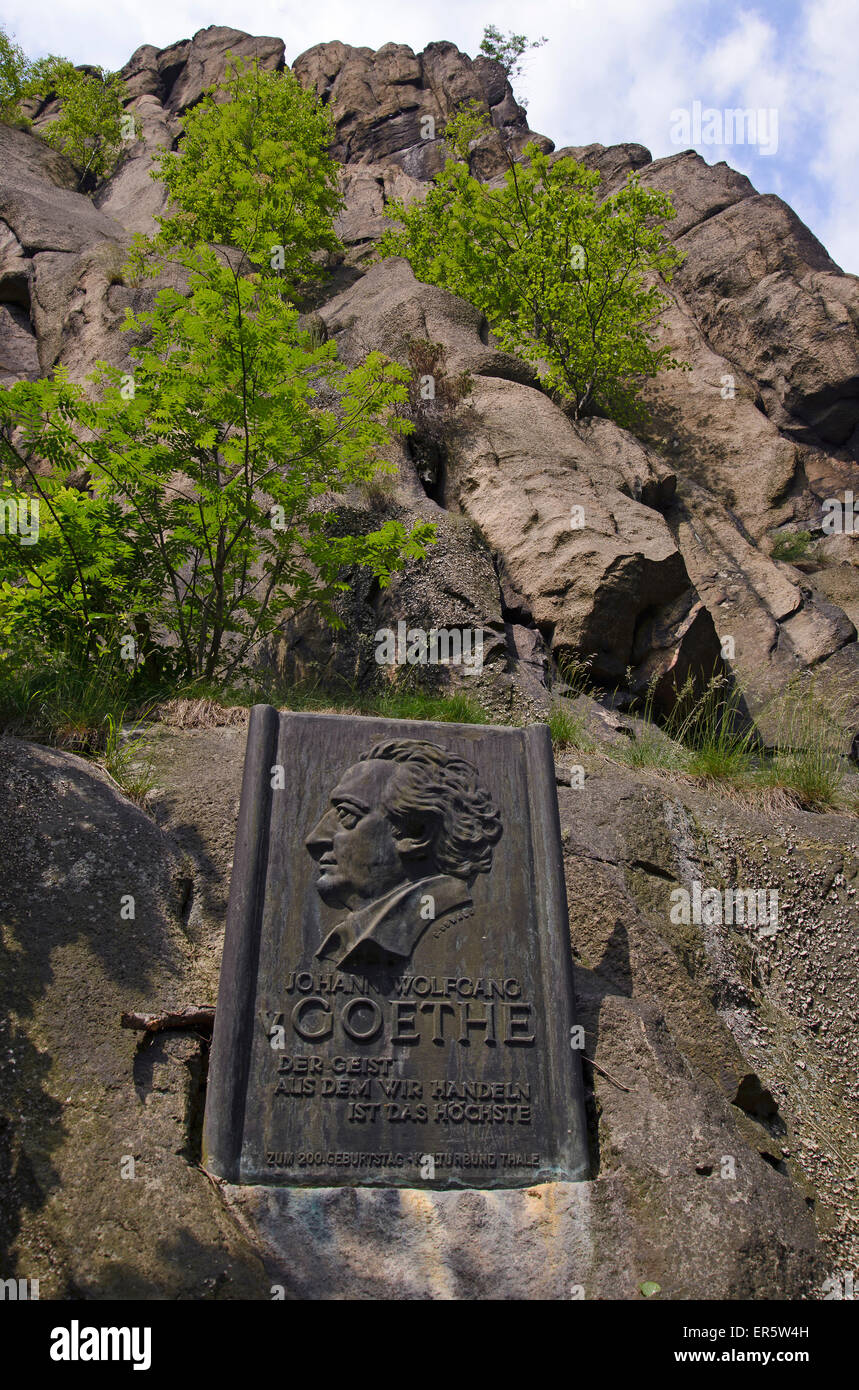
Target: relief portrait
[{"x": 408, "y": 829}]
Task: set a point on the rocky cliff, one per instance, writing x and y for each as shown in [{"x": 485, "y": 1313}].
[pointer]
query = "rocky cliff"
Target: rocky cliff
[
  {"x": 676, "y": 553},
  {"x": 718, "y": 1045}
]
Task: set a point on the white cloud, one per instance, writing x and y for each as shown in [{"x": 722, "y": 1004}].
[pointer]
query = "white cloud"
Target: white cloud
[
  {"x": 613, "y": 70},
  {"x": 738, "y": 57}
]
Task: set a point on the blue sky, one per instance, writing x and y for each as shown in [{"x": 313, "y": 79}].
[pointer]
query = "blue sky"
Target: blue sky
[{"x": 613, "y": 70}]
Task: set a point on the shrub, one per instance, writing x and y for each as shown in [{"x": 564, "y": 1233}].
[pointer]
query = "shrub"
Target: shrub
[
  {"x": 791, "y": 546},
  {"x": 565, "y": 280}
]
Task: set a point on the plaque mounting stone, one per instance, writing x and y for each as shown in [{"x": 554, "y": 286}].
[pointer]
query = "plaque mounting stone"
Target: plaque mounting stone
[{"x": 396, "y": 1001}]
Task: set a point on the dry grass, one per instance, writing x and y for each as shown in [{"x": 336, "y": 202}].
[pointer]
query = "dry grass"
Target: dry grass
[{"x": 199, "y": 713}]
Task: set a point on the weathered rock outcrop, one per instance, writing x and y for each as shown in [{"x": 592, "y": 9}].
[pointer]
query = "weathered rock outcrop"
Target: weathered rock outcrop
[
  {"x": 569, "y": 512},
  {"x": 591, "y": 561},
  {"x": 59, "y": 260},
  {"x": 177, "y": 76},
  {"x": 780, "y": 623},
  {"x": 765, "y": 290},
  {"x": 80, "y": 1099},
  {"x": 758, "y": 432},
  {"x": 392, "y": 104}
]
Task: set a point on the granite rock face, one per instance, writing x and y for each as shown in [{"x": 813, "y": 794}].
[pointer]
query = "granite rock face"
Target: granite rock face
[
  {"x": 82, "y": 1104},
  {"x": 177, "y": 76},
  {"x": 572, "y": 513},
  {"x": 758, "y": 433},
  {"x": 392, "y": 104}
]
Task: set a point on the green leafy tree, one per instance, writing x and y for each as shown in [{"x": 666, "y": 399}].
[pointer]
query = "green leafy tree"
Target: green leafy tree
[
  {"x": 89, "y": 127},
  {"x": 13, "y": 76},
  {"x": 71, "y": 588},
  {"x": 212, "y": 471},
  {"x": 508, "y": 49},
  {"x": 567, "y": 281},
  {"x": 215, "y": 464},
  {"x": 254, "y": 173}
]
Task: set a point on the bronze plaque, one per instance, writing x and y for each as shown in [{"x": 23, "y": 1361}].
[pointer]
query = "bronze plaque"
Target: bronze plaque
[{"x": 396, "y": 1001}]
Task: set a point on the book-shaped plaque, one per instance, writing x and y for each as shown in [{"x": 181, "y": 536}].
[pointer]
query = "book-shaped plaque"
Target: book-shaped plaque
[{"x": 396, "y": 997}]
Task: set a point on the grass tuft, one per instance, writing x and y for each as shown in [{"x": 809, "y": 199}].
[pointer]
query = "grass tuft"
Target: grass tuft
[
  {"x": 811, "y": 733},
  {"x": 566, "y": 728},
  {"x": 714, "y": 727},
  {"x": 76, "y": 703}
]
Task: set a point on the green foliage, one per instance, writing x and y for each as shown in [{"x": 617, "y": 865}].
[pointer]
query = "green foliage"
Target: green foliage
[
  {"x": 215, "y": 463},
  {"x": 812, "y": 728},
  {"x": 791, "y": 546},
  {"x": 575, "y": 673},
  {"x": 124, "y": 759},
  {"x": 507, "y": 49},
  {"x": 566, "y": 281},
  {"x": 13, "y": 76},
  {"x": 254, "y": 172},
  {"x": 393, "y": 702},
  {"x": 565, "y": 727},
  {"x": 67, "y": 697},
  {"x": 650, "y": 746},
  {"x": 714, "y": 727},
  {"x": 70, "y": 700},
  {"x": 463, "y": 130},
  {"x": 67, "y": 591},
  {"x": 708, "y": 736},
  {"x": 451, "y": 709},
  {"x": 810, "y": 775},
  {"x": 89, "y": 127},
  {"x": 212, "y": 472}
]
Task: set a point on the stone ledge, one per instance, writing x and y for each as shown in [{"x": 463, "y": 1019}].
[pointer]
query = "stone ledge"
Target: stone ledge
[{"x": 410, "y": 1243}]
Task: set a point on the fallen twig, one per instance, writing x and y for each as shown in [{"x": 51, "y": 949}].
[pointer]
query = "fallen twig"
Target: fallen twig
[
  {"x": 608, "y": 1076},
  {"x": 201, "y": 1017}
]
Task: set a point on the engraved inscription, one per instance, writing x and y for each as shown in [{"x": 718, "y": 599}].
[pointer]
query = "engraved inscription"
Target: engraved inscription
[{"x": 405, "y": 963}]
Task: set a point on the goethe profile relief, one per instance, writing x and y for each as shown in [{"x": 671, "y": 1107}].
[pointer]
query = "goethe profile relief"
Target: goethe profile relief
[{"x": 408, "y": 829}]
